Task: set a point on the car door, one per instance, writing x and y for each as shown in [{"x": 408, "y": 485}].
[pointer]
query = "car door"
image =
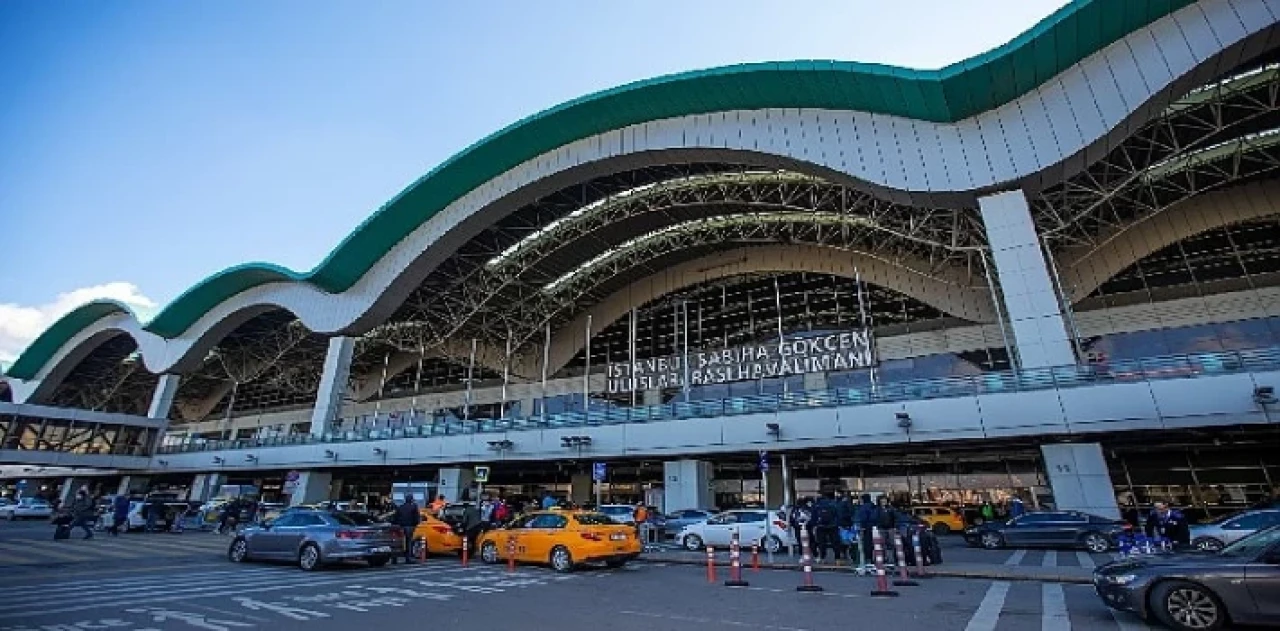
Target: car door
[
  {"x": 750, "y": 527},
  {"x": 541, "y": 535},
  {"x": 1262, "y": 577},
  {"x": 717, "y": 530},
  {"x": 1240, "y": 527},
  {"x": 1025, "y": 530},
  {"x": 514, "y": 534},
  {"x": 1065, "y": 530},
  {"x": 266, "y": 541}
]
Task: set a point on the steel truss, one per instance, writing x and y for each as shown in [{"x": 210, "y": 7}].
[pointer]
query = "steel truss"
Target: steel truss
[
  {"x": 111, "y": 379},
  {"x": 506, "y": 297},
  {"x": 1210, "y": 138}
]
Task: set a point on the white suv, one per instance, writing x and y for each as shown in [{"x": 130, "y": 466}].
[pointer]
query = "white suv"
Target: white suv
[{"x": 750, "y": 524}]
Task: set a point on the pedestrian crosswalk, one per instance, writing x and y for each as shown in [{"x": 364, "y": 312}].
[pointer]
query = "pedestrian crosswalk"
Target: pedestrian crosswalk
[
  {"x": 1049, "y": 607},
  {"x": 36, "y": 552},
  {"x": 1050, "y": 558}
]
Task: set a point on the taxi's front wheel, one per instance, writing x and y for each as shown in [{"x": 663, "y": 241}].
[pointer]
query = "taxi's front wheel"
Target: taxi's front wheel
[
  {"x": 561, "y": 559},
  {"x": 489, "y": 552}
]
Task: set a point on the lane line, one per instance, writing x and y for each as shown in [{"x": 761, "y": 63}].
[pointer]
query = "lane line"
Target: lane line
[
  {"x": 45, "y": 611},
  {"x": 89, "y": 548},
  {"x": 1050, "y": 559},
  {"x": 1016, "y": 558},
  {"x": 988, "y": 612},
  {"x": 1085, "y": 560},
  {"x": 8, "y": 581},
  {"x": 1053, "y": 608}
]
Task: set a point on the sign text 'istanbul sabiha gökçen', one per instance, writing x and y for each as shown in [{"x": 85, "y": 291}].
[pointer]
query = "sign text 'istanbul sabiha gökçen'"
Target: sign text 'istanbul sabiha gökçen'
[{"x": 837, "y": 351}]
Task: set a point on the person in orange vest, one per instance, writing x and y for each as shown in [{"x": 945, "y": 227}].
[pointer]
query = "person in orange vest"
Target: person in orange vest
[
  {"x": 641, "y": 516},
  {"x": 437, "y": 505}
]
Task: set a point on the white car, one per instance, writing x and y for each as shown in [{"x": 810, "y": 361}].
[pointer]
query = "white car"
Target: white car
[
  {"x": 621, "y": 513},
  {"x": 27, "y": 508},
  {"x": 750, "y": 524}
]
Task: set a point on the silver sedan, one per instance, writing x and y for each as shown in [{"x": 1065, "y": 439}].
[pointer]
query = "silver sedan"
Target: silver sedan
[
  {"x": 1227, "y": 530},
  {"x": 314, "y": 538}
]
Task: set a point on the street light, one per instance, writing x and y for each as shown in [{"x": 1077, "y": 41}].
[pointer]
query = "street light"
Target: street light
[
  {"x": 774, "y": 430},
  {"x": 217, "y": 460},
  {"x": 250, "y": 458},
  {"x": 904, "y": 420},
  {"x": 331, "y": 454},
  {"x": 501, "y": 445}
]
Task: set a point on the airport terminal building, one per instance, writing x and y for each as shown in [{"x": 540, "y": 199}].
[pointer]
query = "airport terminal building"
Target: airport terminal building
[{"x": 1051, "y": 271}]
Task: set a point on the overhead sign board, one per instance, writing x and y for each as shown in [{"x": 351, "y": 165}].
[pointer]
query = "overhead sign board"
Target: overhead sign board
[
  {"x": 849, "y": 350},
  {"x": 482, "y": 475},
  {"x": 598, "y": 471}
]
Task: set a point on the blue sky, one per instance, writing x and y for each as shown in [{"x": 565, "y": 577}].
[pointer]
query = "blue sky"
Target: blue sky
[{"x": 146, "y": 145}]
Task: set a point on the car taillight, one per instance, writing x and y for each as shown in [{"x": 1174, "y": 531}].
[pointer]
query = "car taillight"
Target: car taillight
[
  {"x": 442, "y": 529},
  {"x": 350, "y": 534},
  {"x": 591, "y": 536}
]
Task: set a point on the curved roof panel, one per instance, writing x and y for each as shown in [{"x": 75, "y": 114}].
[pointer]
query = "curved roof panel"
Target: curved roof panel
[{"x": 949, "y": 94}]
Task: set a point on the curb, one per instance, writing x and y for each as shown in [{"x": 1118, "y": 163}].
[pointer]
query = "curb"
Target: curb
[{"x": 1001, "y": 575}]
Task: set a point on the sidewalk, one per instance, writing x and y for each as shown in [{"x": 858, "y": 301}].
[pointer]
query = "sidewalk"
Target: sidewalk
[{"x": 989, "y": 571}]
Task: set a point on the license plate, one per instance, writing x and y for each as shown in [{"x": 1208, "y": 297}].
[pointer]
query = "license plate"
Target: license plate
[
  {"x": 382, "y": 549},
  {"x": 618, "y": 536}
]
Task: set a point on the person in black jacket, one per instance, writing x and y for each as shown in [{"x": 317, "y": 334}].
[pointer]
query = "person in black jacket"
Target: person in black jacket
[
  {"x": 887, "y": 521},
  {"x": 408, "y": 516}
]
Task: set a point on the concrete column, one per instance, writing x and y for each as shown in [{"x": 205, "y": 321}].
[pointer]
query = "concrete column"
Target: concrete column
[
  {"x": 205, "y": 486},
  {"x": 1031, "y": 304},
  {"x": 1080, "y": 479},
  {"x": 581, "y": 488},
  {"x": 652, "y": 397},
  {"x": 333, "y": 384},
  {"x": 313, "y": 486},
  {"x": 687, "y": 484},
  {"x": 131, "y": 484},
  {"x": 453, "y": 482},
  {"x": 776, "y": 493},
  {"x": 69, "y": 488},
  {"x": 162, "y": 398}
]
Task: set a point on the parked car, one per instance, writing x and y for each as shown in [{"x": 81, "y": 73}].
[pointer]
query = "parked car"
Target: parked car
[
  {"x": 941, "y": 520},
  {"x": 135, "y": 521},
  {"x": 563, "y": 539},
  {"x": 677, "y": 520},
  {"x": 1049, "y": 529},
  {"x": 621, "y": 513},
  {"x": 314, "y": 538},
  {"x": 1200, "y": 591},
  {"x": 750, "y": 524},
  {"x": 434, "y": 536},
  {"x": 27, "y": 508},
  {"x": 1223, "y": 531}
]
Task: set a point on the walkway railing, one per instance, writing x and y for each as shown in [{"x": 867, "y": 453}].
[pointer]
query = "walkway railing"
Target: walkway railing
[{"x": 1128, "y": 371}]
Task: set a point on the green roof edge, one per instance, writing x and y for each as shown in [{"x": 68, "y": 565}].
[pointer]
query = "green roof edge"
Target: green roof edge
[{"x": 949, "y": 94}]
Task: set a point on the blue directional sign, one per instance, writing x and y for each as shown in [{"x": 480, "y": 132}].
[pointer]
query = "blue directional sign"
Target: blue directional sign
[
  {"x": 598, "y": 471},
  {"x": 22, "y": 485},
  {"x": 764, "y": 461}
]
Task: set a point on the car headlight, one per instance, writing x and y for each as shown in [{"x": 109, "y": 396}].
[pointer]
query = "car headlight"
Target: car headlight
[{"x": 1120, "y": 579}]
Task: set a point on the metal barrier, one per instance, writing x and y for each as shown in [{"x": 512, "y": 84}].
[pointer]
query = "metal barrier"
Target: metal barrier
[{"x": 1124, "y": 371}]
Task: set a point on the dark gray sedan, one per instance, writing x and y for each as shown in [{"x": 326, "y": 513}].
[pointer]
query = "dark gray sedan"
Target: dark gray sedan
[
  {"x": 314, "y": 538},
  {"x": 1201, "y": 591}
]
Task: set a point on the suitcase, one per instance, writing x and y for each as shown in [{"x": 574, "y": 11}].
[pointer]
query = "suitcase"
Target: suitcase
[{"x": 62, "y": 531}]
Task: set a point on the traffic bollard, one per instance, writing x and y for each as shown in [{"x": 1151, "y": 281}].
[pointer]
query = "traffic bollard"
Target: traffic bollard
[
  {"x": 921, "y": 572},
  {"x": 806, "y": 560},
  {"x": 900, "y": 551},
  {"x": 735, "y": 563},
  {"x": 422, "y": 552},
  {"x": 711, "y": 564},
  {"x": 466, "y": 545},
  {"x": 755, "y": 558},
  {"x": 882, "y": 581},
  {"x": 861, "y": 569},
  {"x": 511, "y": 554}
]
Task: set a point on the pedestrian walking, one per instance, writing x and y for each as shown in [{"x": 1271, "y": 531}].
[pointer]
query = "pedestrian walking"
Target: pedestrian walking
[
  {"x": 83, "y": 512},
  {"x": 408, "y": 516},
  {"x": 119, "y": 514}
]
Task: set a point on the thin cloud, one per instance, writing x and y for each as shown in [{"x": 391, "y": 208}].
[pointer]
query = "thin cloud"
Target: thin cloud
[{"x": 21, "y": 324}]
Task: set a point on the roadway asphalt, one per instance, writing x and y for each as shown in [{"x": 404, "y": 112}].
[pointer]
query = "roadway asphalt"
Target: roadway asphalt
[{"x": 163, "y": 582}]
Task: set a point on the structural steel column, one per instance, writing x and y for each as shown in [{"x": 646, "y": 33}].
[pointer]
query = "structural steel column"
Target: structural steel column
[
  {"x": 162, "y": 398},
  {"x": 333, "y": 384},
  {"x": 1035, "y": 315}
]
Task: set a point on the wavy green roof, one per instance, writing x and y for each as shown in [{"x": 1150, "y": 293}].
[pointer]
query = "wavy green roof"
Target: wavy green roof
[{"x": 950, "y": 94}]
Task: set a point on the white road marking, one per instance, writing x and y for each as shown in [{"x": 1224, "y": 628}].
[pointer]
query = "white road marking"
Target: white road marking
[
  {"x": 63, "y": 555},
  {"x": 1085, "y": 560},
  {"x": 1050, "y": 559},
  {"x": 988, "y": 612},
  {"x": 1016, "y": 558},
  {"x": 1053, "y": 608}
]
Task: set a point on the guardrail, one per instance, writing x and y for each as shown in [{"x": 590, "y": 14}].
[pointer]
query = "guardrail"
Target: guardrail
[{"x": 1125, "y": 371}]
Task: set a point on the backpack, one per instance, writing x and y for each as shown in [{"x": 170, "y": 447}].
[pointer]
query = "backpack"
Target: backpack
[{"x": 826, "y": 515}]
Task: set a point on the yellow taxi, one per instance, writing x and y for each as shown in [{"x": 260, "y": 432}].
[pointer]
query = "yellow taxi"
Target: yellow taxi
[
  {"x": 433, "y": 536},
  {"x": 941, "y": 520},
  {"x": 562, "y": 539}
]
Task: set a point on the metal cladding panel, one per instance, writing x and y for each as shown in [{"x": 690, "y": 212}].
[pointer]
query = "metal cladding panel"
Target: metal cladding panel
[
  {"x": 1021, "y": 412},
  {"x": 1116, "y": 402}
]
